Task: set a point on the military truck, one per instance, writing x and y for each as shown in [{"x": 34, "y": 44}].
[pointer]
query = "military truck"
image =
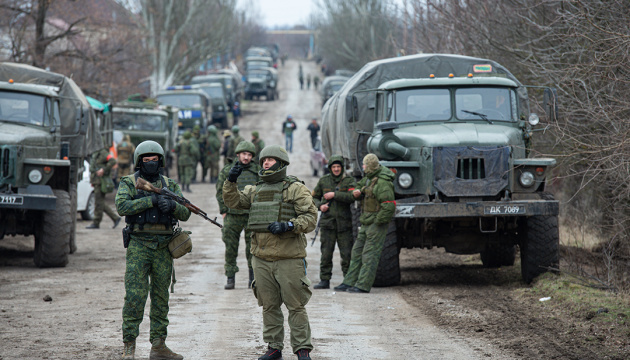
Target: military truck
[
  {"x": 47, "y": 128},
  {"x": 230, "y": 92},
  {"x": 195, "y": 106},
  {"x": 456, "y": 131},
  {"x": 262, "y": 82},
  {"x": 331, "y": 85},
  {"x": 145, "y": 121},
  {"x": 220, "y": 107},
  {"x": 258, "y": 62}
]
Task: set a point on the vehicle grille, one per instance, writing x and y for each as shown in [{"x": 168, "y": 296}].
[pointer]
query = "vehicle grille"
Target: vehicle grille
[{"x": 471, "y": 169}]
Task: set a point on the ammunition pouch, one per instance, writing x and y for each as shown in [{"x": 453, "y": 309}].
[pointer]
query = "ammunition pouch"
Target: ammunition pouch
[
  {"x": 180, "y": 243},
  {"x": 126, "y": 236}
]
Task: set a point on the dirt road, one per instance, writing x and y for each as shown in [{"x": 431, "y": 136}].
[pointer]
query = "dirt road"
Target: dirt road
[{"x": 447, "y": 308}]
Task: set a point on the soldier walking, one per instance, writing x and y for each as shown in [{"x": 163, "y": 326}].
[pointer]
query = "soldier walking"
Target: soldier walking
[
  {"x": 101, "y": 165},
  {"x": 187, "y": 154},
  {"x": 213, "y": 148},
  {"x": 235, "y": 220},
  {"x": 288, "y": 127},
  {"x": 333, "y": 197},
  {"x": 376, "y": 190},
  {"x": 281, "y": 212},
  {"x": 149, "y": 265},
  {"x": 258, "y": 143},
  {"x": 125, "y": 150}
]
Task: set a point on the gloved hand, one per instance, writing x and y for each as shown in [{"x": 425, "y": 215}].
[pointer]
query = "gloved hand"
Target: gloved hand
[
  {"x": 277, "y": 227},
  {"x": 166, "y": 205},
  {"x": 154, "y": 199},
  {"x": 235, "y": 171}
]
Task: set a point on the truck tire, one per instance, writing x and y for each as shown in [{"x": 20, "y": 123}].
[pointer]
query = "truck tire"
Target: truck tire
[
  {"x": 88, "y": 213},
  {"x": 388, "y": 272},
  {"x": 497, "y": 256},
  {"x": 539, "y": 245},
  {"x": 52, "y": 238},
  {"x": 73, "y": 230}
]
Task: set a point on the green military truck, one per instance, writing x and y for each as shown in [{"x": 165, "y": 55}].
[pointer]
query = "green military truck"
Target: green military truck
[
  {"x": 217, "y": 97},
  {"x": 457, "y": 132},
  {"x": 195, "y": 107},
  {"x": 261, "y": 82},
  {"x": 47, "y": 128},
  {"x": 145, "y": 121}
]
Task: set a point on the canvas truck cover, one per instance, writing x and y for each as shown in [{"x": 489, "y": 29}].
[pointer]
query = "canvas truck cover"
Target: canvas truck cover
[
  {"x": 81, "y": 144},
  {"x": 338, "y": 134}
]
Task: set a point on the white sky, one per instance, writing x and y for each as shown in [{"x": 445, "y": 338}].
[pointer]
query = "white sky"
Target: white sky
[{"x": 282, "y": 12}]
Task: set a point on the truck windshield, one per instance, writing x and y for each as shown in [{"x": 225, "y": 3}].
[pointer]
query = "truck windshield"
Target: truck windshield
[
  {"x": 184, "y": 101},
  {"x": 215, "y": 92},
  {"x": 493, "y": 103},
  {"x": 261, "y": 75},
  {"x": 146, "y": 122},
  {"x": 22, "y": 108},
  {"x": 422, "y": 105},
  {"x": 252, "y": 65}
]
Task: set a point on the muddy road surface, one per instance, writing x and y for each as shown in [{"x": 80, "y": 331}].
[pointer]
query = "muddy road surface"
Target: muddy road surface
[{"x": 447, "y": 307}]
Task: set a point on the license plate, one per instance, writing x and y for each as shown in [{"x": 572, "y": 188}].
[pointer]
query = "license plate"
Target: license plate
[
  {"x": 504, "y": 210},
  {"x": 11, "y": 199}
]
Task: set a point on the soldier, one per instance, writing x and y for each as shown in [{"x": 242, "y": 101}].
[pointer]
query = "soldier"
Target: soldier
[
  {"x": 227, "y": 137},
  {"x": 308, "y": 81},
  {"x": 150, "y": 219},
  {"x": 258, "y": 143},
  {"x": 315, "y": 81},
  {"x": 234, "y": 141},
  {"x": 125, "y": 150},
  {"x": 196, "y": 136},
  {"x": 376, "y": 190},
  {"x": 281, "y": 212},
  {"x": 213, "y": 147},
  {"x": 333, "y": 196},
  {"x": 101, "y": 165},
  {"x": 186, "y": 159},
  {"x": 235, "y": 221}
]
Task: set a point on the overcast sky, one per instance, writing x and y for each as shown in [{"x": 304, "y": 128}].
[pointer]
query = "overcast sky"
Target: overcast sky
[{"x": 282, "y": 12}]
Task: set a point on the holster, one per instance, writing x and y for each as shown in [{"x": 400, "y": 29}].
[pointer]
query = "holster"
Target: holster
[{"x": 126, "y": 236}]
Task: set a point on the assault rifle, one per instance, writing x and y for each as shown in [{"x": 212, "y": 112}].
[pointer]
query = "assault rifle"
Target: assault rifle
[
  {"x": 142, "y": 184},
  {"x": 317, "y": 226}
]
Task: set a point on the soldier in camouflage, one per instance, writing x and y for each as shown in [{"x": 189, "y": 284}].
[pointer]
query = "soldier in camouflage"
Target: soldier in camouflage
[
  {"x": 234, "y": 220},
  {"x": 125, "y": 150},
  {"x": 233, "y": 143},
  {"x": 196, "y": 137},
  {"x": 376, "y": 190},
  {"x": 187, "y": 153},
  {"x": 333, "y": 197},
  {"x": 258, "y": 143},
  {"x": 150, "y": 220},
  {"x": 101, "y": 165},
  {"x": 281, "y": 212},
  {"x": 212, "y": 149}
]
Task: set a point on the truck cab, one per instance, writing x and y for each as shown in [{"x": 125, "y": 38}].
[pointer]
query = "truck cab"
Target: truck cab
[{"x": 195, "y": 106}]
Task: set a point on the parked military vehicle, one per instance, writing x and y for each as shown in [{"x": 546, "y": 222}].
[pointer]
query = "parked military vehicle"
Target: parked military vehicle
[
  {"x": 262, "y": 82},
  {"x": 457, "y": 132},
  {"x": 47, "y": 128},
  {"x": 258, "y": 62},
  {"x": 330, "y": 86},
  {"x": 256, "y": 51},
  {"x": 220, "y": 107},
  {"x": 237, "y": 81},
  {"x": 230, "y": 90},
  {"x": 194, "y": 106}
]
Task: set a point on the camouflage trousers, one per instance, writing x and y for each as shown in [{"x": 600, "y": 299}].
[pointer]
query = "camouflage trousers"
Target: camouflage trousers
[
  {"x": 101, "y": 206},
  {"x": 366, "y": 254},
  {"x": 187, "y": 173},
  {"x": 233, "y": 225},
  {"x": 211, "y": 166},
  {"x": 148, "y": 271},
  {"x": 278, "y": 282},
  {"x": 328, "y": 239}
]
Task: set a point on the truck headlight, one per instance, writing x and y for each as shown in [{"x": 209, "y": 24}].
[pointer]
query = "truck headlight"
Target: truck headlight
[
  {"x": 35, "y": 176},
  {"x": 405, "y": 180},
  {"x": 527, "y": 179},
  {"x": 533, "y": 119}
]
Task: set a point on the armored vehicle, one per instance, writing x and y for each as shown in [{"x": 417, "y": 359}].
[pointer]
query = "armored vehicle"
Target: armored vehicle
[
  {"x": 47, "y": 128},
  {"x": 194, "y": 106},
  {"x": 456, "y": 131},
  {"x": 262, "y": 82}
]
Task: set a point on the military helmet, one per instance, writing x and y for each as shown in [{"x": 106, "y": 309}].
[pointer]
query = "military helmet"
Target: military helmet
[
  {"x": 187, "y": 135},
  {"x": 212, "y": 129},
  {"x": 245, "y": 146},
  {"x": 274, "y": 151},
  {"x": 235, "y": 129},
  {"x": 146, "y": 148}
]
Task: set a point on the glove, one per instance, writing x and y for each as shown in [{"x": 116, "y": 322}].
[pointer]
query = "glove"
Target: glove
[
  {"x": 154, "y": 199},
  {"x": 279, "y": 227},
  {"x": 235, "y": 171},
  {"x": 166, "y": 205}
]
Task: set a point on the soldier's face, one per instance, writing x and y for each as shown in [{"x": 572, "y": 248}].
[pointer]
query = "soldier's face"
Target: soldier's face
[
  {"x": 150, "y": 158},
  {"x": 335, "y": 169},
  {"x": 245, "y": 157},
  {"x": 268, "y": 163}
]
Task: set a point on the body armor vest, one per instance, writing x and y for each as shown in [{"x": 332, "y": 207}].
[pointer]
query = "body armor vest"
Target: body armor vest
[
  {"x": 152, "y": 220},
  {"x": 370, "y": 203},
  {"x": 268, "y": 206}
]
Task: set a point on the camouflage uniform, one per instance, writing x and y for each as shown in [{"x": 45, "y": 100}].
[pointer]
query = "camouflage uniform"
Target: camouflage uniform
[
  {"x": 101, "y": 159},
  {"x": 212, "y": 149},
  {"x": 336, "y": 223},
  {"x": 378, "y": 206},
  {"x": 187, "y": 152},
  {"x": 278, "y": 259},
  {"x": 125, "y": 151},
  {"x": 196, "y": 136},
  {"x": 234, "y": 141},
  {"x": 259, "y": 144}
]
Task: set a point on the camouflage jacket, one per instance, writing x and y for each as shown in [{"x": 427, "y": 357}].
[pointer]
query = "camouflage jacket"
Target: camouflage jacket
[
  {"x": 234, "y": 141},
  {"x": 187, "y": 152},
  {"x": 381, "y": 186},
  {"x": 339, "y": 207},
  {"x": 213, "y": 147},
  {"x": 259, "y": 145},
  {"x": 249, "y": 176},
  {"x": 101, "y": 159}
]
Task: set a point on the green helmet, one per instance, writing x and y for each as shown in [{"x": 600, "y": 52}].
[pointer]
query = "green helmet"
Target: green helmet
[
  {"x": 187, "y": 135},
  {"x": 235, "y": 129},
  {"x": 146, "y": 148},
  {"x": 245, "y": 146},
  {"x": 274, "y": 151},
  {"x": 212, "y": 129}
]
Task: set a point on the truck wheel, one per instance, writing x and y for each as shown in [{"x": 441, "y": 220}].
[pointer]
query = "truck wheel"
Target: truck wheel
[
  {"x": 73, "y": 230},
  {"x": 88, "y": 213},
  {"x": 388, "y": 272},
  {"x": 497, "y": 256},
  {"x": 539, "y": 246},
  {"x": 53, "y": 235}
]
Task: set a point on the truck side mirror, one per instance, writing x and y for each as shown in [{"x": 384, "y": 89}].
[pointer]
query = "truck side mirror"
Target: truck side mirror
[{"x": 550, "y": 103}]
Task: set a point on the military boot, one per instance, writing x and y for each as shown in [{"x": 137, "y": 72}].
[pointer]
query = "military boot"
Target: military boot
[
  {"x": 251, "y": 278},
  {"x": 324, "y": 284},
  {"x": 271, "y": 354},
  {"x": 159, "y": 351},
  {"x": 303, "y": 354},
  {"x": 230, "y": 283},
  {"x": 130, "y": 351}
]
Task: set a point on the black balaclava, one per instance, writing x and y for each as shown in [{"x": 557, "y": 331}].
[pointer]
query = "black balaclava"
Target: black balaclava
[{"x": 150, "y": 170}]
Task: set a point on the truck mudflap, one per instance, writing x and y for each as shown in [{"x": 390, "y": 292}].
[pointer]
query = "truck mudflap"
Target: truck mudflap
[
  {"x": 415, "y": 209},
  {"x": 33, "y": 197}
]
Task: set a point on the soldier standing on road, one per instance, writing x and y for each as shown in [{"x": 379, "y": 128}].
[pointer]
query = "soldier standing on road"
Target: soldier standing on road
[
  {"x": 281, "y": 212},
  {"x": 333, "y": 197},
  {"x": 234, "y": 220},
  {"x": 150, "y": 219},
  {"x": 187, "y": 152},
  {"x": 314, "y": 128},
  {"x": 308, "y": 81},
  {"x": 227, "y": 137},
  {"x": 258, "y": 143},
  {"x": 101, "y": 165},
  {"x": 288, "y": 127},
  {"x": 125, "y": 151},
  {"x": 376, "y": 190},
  {"x": 196, "y": 136},
  {"x": 234, "y": 141},
  {"x": 213, "y": 148},
  {"x": 315, "y": 81},
  {"x": 301, "y": 77}
]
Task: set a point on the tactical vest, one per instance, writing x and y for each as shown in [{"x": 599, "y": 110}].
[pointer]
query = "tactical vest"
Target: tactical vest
[
  {"x": 247, "y": 177},
  {"x": 370, "y": 203},
  {"x": 268, "y": 206},
  {"x": 125, "y": 154},
  {"x": 152, "y": 220}
]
